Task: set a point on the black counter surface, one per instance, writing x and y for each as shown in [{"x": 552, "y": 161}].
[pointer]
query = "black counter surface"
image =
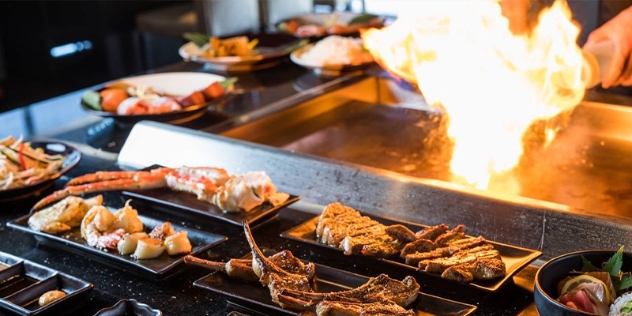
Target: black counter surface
[{"x": 100, "y": 140}]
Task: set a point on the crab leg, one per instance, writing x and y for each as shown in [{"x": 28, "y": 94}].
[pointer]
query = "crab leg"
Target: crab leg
[
  {"x": 145, "y": 181},
  {"x": 114, "y": 175}
]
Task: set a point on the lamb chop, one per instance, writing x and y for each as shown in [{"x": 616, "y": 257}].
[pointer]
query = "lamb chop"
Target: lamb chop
[
  {"x": 378, "y": 289},
  {"x": 273, "y": 276},
  {"x": 242, "y": 268},
  {"x": 333, "y": 308}
]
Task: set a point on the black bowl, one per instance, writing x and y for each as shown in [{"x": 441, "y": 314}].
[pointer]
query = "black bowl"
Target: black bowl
[{"x": 556, "y": 269}]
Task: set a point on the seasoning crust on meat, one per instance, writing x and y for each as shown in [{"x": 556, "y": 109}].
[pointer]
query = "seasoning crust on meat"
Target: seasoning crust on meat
[{"x": 436, "y": 249}]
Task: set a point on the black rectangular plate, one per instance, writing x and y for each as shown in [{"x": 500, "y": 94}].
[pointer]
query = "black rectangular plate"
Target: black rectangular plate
[
  {"x": 74, "y": 288},
  {"x": 514, "y": 257},
  {"x": 257, "y": 297},
  {"x": 158, "y": 268},
  {"x": 174, "y": 200}
]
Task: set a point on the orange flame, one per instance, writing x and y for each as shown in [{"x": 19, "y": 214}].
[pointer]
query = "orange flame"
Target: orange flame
[{"x": 492, "y": 83}]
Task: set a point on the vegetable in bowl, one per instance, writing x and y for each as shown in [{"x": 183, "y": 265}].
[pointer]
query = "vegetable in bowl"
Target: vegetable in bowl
[{"x": 585, "y": 283}]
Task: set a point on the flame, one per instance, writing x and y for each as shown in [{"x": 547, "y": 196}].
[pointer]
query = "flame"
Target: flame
[{"x": 492, "y": 83}]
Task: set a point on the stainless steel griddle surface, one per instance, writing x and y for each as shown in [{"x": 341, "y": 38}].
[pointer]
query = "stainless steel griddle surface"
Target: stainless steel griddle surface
[{"x": 588, "y": 166}]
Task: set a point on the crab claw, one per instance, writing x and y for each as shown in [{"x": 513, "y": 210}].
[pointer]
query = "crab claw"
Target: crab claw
[
  {"x": 151, "y": 182},
  {"x": 117, "y": 175}
]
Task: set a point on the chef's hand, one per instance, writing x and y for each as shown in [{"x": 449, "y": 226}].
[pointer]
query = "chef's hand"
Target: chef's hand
[{"x": 619, "y": 31}]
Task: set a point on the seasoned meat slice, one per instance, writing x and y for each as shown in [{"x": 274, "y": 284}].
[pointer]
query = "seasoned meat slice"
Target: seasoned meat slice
[
  {"x": 338, "y": 233},
  {"x": 433, "y": 232},
  {"x": 401, "y": 233},
  {"x": 378, "y": 244},
  {"x": 333, "y": 308},
  {"x": 415, "y": 258},
  {"x": 440, "y": 264},
  {"x": 419, "y": 245},
  {"x": 481, "y": 269},
  {"x": 332, "y": 211},
  {"x": 450, "y": 236}
]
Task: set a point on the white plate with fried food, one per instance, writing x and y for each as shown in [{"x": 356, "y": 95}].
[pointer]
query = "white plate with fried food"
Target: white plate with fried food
[{"x": 238, "y": 53}]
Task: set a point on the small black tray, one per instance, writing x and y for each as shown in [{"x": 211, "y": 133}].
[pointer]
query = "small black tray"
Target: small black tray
[
  {"x": 127, "y": 307},
  {"x": 22, "y": 282},
  {"x": 257, "y": 297},
  {"x": 159, "y": 268},
  {"x": 514, "y": 257}
]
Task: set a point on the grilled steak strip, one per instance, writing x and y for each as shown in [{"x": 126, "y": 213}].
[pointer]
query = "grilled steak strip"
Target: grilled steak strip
[
  {"x": 378, "y": 289},
  {"x": 333, "y": 308},
  {"x": 242, "y": 268},
  {"x": 451, "y": 235},
  {"x": 481, "y": 269},
  {"x": 415, "y": 258},
  {"x": 272, "y": 275},
  {"x": 419, "y": 245},
  {"x": 431, "y": 233},
  {"x": 333, "y": 211},
  {"x": 401, "y": 232},
  {"x": 378, "y": 244},
  {"x": 339, "y": 233},
  {"x": 440, "y": 264}
]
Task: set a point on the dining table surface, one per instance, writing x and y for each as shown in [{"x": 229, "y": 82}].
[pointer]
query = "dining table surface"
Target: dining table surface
[{"x": 100, "y": 139}]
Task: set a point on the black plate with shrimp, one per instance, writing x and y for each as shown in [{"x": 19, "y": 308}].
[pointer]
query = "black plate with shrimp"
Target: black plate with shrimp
[
  {"x": 69, "y": 158},
  {"x": 159, "y": 268}
]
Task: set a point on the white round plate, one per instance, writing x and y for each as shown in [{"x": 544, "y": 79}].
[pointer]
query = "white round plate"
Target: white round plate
[
  {"x": 172, "y": 83},
  {"x": 271, "y": 48},
  {"x": 327, "y": 70}
]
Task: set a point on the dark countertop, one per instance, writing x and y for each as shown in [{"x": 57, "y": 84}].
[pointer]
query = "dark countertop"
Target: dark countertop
[{"x": 99, "y": 141}]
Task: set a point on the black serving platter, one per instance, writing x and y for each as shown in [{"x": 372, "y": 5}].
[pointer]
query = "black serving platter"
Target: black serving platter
[
  {"x": 514, "y": 257},
  {"x": 22, "y": 282},
  {"x": 73, "y": 156},
  {"x": 159, "y": 268},
  {"x": 127, "y": 307},
  {"x": 188, "y": 202},
  {"x": 257, "y": 297}
]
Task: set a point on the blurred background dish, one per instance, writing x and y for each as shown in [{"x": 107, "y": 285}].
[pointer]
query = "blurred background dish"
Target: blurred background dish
[
  {"x": 333, "y": 56},
  {"x": 72, "y": 158},
  {"x": 269, "y": 51},
  {"x": 192, "y": 91},
  {"x": 319, "y": 25}
]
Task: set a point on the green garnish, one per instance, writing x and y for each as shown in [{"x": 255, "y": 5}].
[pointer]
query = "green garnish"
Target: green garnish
[
  {"x": 199, "y": 39},
  {"x": 362, "y": 18},
  {"x": 92, "y": 99},
  {"x": 228, "y": 83},
  {"x": 621, "y": 280},
  {"x": 627, "y": 307}
]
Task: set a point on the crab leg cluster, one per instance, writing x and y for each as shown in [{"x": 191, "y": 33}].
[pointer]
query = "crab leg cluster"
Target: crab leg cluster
[{"x": 214, "y": 185}]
